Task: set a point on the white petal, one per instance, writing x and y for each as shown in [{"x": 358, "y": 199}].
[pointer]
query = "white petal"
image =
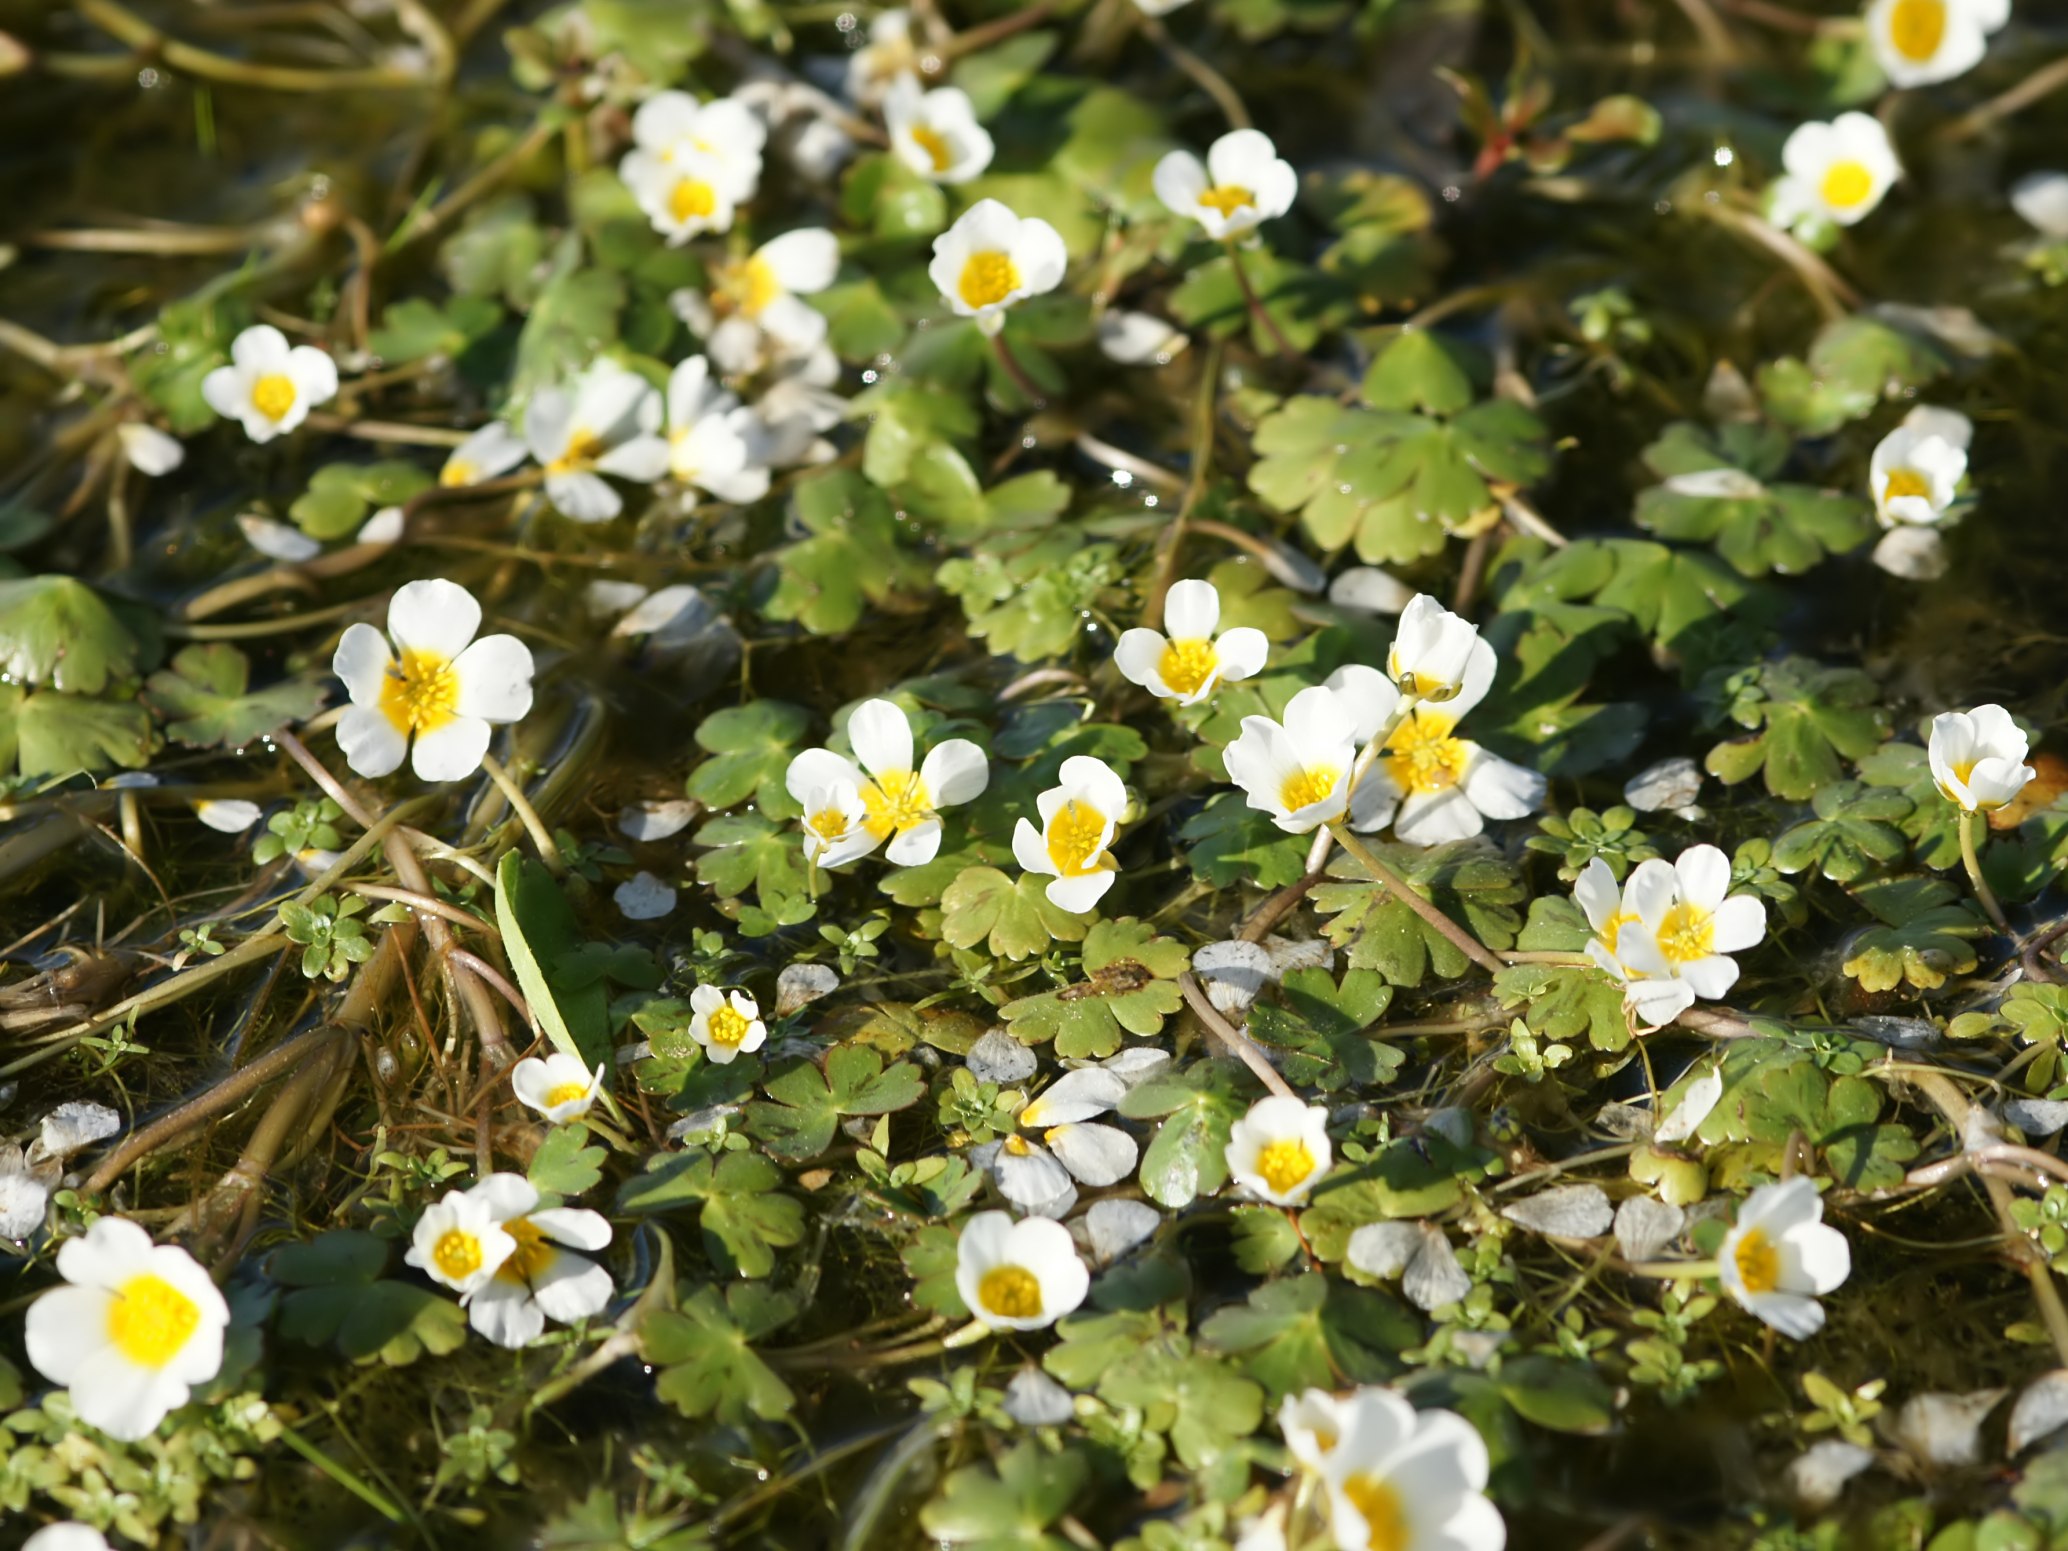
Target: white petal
[
  {"x": 914, "y": 847},
  {"x": 881, "y": 736},
  {"x": 371, "y": 744},
  {"x": 1191, "y": 610},
  {"x": 494, "y": 679},
  {"x": 434, "y": 616},
  {"x": 955, "y": 772},
  {"x": 453, "y": 752}
]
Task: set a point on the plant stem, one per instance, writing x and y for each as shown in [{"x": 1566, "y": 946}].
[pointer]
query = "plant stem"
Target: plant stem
[
  {"x": 1398, "y": 886},
  {"x": 1257, "y": 308},
  {"x": 1202, "y": 463},
  {"x": 2040, "y": 83},
  {"x": 1204, "y": 75},
  {"x": 541, "y": 836},
  {"x": 1971, "y": 859},
  {"x": 1237, "y": 1041},
  {"x": 1018, "y": 373},
  {"x": 124, "y": 25}
]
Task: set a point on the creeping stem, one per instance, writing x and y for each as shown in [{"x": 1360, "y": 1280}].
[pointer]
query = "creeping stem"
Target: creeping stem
[{"x": 1401, "y": 890}]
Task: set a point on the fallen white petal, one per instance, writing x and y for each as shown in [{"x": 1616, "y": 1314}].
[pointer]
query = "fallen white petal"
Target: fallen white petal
[
  {"x": 1946, "y": 1430},
  {"x": 1001, "y": 1059},
  {"x": 647, "y": 821},
  {"x": 1568, "y": 1212},
  {"x": 643, "y": 897},
  {"x": 799, "y": 985},
  {"x": 2041, "y": 1410},
  {"x": 1033, "y": 1399},
  {"x": 1645, "y": 1226}
]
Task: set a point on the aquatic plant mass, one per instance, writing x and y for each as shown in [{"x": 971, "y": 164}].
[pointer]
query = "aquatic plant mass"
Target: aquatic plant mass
[{"x": 1251, "y": 775}]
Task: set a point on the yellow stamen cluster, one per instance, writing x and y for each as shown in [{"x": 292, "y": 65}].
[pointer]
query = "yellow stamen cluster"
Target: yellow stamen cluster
[
  {"x": 1186, "y": 665},
  {"x": 1687, "y": 933},
  {"x": 150, "y": 1320},
  {"x": 1906, "y": 482},
  {"x": 421, "y": 692},
  {"x": 1422, "y": 756},
  {"x": 273, "y": 395},
  {"x": 935, "y": 145},
  {"x": 1385, "y": 1519},
  {"x": 1846, "y": 184},
  {"x": 532, "y": 1257},
  {"x": 1917, "y": 27},
  {"x": 987, "y": 279},
  {"x": 692, "y": 199},
  {"x": 1307, "y": 787},
  {"x": 1285, "y": 1164},
  {"x": 1758, "y": 1262},
  {"x": 727, "y": 1026},
  {"x": 1227, "y": 198},
  {"x": 896, "y": 799},
  {"x": 1074, "y": 837},
  {"x": 457, "y": 1253},
  {"x": 1011, "y": 1292}
]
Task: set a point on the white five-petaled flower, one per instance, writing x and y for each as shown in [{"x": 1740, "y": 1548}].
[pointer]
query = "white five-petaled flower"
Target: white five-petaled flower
[
  {"x": 726, "y": 1025},
  {"x": 890, "y": 54},
  {"x": 1426, "y": 781},
  {"x": 459, "y": 1242},
  {"x": 714, "y": 442},
  {"x": 605, "y": 423},
  {"x": 1834, "y": 172},
  {"x": 1078, "y": 818},
  {"x": 1978, "y": 758},
  {"x": 1297, "y": 771},
  {"x": 1781, "y": 1256},
  {"x": 1668, "y": 933},
  {"x": 1917, "y": 468},
  {"x": 1092, "y": 1154},
  {"x": 693, "y": 163},
  {"x": 1018, "y": 1275},
  {"x": 1243, "y": 183},
  {"x": 936, "y": 133},
  {"x": 755, "y": 315},
  {"x": 493, "y": 450},
  {"x": 1408, "y": 1480},
  {"x": 538, "y": 1279},
  {"x": 1186, "y": 665},
  {"x": 67, "y": 1536},
  {"x": 1439, "y": 656},
  {"x": 139, "y": 1325},
  {"x": 1313, "y": 1423},
  {"x": 990, "y": 259},
  {"x": 268, "y": 386},
  {"x": 1280, "y": 1149},
  {"x": 559, "y": 1087},
  {"x": 1919, "y": 42},
  {"x": 150, "y": 451},
  {"x": 437, "y": 685},
  {"x": 900, "y": 804}
]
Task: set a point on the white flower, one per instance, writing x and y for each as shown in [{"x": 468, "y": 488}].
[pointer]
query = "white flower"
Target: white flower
[
  {"x": 1018, "y": 1275},
  {"x": 936, "y": 133},
  {"x": 1917, "y": 468},
  {"x": 458, "y": 1242},
  {"x": 538, "y": 1280},
  {"x": 693, "y": 163},
  {"x": 2042, "y": 199},
  {"x": 67, "y": 1536},
  {"x": 1919, "y": 42},
  {"x": 149, "y": 450},
  {"x": 1835, "y": 172},
  {"x": 438, "y": 685},
  {"x": 493, "y": 450},
  {"x": 1669, "y": 932},
  {"x": 726, "y": 1026},
  {"x": 713, "y": 443},
  {"x": 754, "y": 317},
  {"x": 1243, "y": 183},
  {"x": 797, "y": 404},
  {"x": 268, "y": 386},
  {"x": 139, "y": 1325},
  {"x": 1078, "y": 818},
  {"x": 1978, "y": 758},
  {"x": 559, "y": 1087},
  {"x": 1403, "y": 1480},
  {"x": 1429, "y": 783},
  {"x": 889, "y": 54},
  {"x": 1279, "y": 1150},
  {"x": 603, "y": 424},
  {"x": 1438, "y": 655},
  {"x": 899, "y": 804},
  {"x": 991, "y": 258},
  {"x": 1313, "y": 1423},
  {"x": 1780, "y": 1257},
  {"x": 1297, "y": 772},
  {"x": 1028, "y": 1175},
  {"x": 1186, "y": 665}
]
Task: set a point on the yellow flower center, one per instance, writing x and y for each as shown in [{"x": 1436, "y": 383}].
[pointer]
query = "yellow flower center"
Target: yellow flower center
[
  {"x": 421, "y": 692},
  {"x": 1325, "y": 1439},
  {"x": 457, "y": 1254},
  {"x": 1186, "y": 665},
  {"x": 987, "y": 279},
  {"x": 1614, "y": 930},
  {"x": 1385, "y": 1518},
  {"x": 151, "y": 1320},
  {"x": 692, "y": 199},
  {"x": 455, "y": 473},
  {"x": 1758, "y": 1261},
  {"x": 896, "y": 799},
  {"x": 746, "y": 288},
  {"x": 1284, "y": 1165},
  {"x": 1011, "y": 1292},
  {"x": 935, "y": 145},
  {"x": 1688, "y": 933},
  {"x": 1227, "y": 198},
  {"x": 582, "y": 450},
  {"x": 1422, "y": 756},
  {"x": 727, "y": 1026},
  {"x": 1073, "y": 839},
  {"x": 566, "y": 1093},
  {"x": 1904, "y": 482},
  {"x": 273, "y": 395},
  {"x": 828, "y": 823},
  {"x": 532, "y": 1257},
  {"x": 1916, "y": 28},
  {"x": 1307, "y": 787},
  {"x": 1847, "y": 184}
]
